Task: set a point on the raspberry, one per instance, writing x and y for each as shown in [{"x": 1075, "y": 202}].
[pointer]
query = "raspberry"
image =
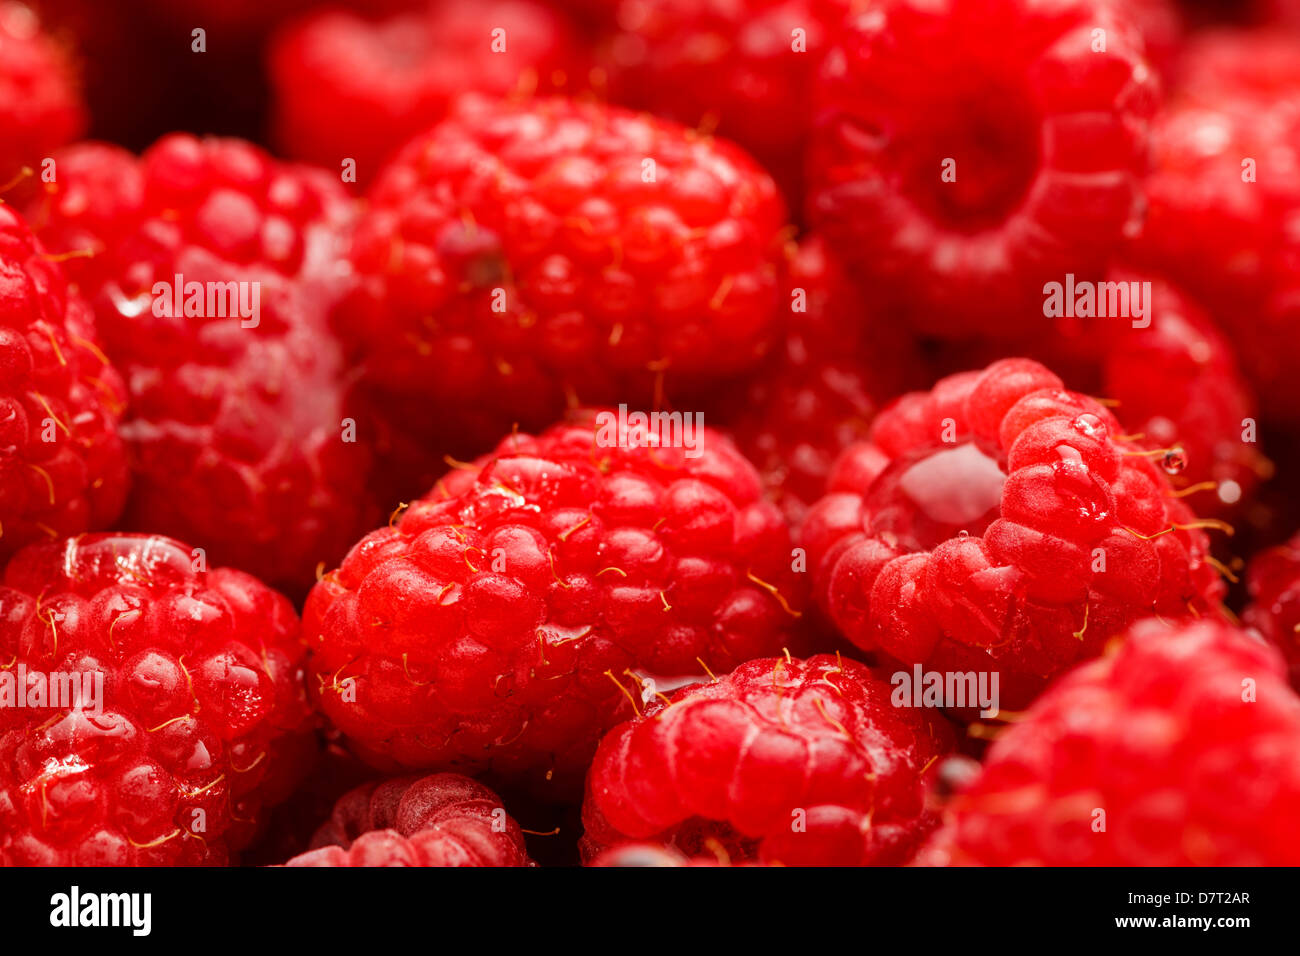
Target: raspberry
[
  {"x": 801, "y": 762},
  {"x": 648, "y": 854},
  {"x": 1223, "y": 230},
  {"x": 40, "y": 105},
  {"x": 440, "y": 820},
  {"x": 201, "y": 717},
  {"x": 1177, "y": 749},
  {"x": 238, "y": 433},
  {"x": 350, "y": 87},
  {"x": 1001, "y": 523},
  {"x": 62, "y": 464},
  {"x": 521, "y": 250},
  {"x": 1047, "y": 136},
  {"x": 1273, "y": 580},
  {"x": 744, "y": 68},
  {"x": 507, "y": 619}
]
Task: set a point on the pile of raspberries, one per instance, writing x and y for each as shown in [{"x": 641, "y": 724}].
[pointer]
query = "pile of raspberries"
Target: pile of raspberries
[{"x": 649, "y": 433}]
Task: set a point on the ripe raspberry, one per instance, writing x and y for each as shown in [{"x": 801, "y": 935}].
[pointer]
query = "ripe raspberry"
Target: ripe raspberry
[
  {"x": 62, "y": 464},
  {"x": 237, "y": 432},
  {"x": 1047, "y": 136},
  {"x": 519, "y": 251},
  {"x": 505, "y": 622},
  {"x": 801, "y": 762},
  {"x": 350, "y": 87},
  {"x": 202, "y": 698},
  {"x": 1274, "y": 584},
  {"x": 440, "y": 820},
  {"x": 40, "y": 105},
  {"x": 816, "y": 396},
  {"x": 744, "y": 68},
  {"x": 1001, "y": 523},
  {"x": 1184, "y": 738},
  {"x": 1224, "y": 198}
]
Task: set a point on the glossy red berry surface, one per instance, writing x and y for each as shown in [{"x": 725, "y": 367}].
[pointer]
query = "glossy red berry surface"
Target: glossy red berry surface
[
  {"x": 236, "y": 424},
  {"x": 1273, "y": 580},
  {"x": 502, "y": 623},
  {"x": 521, "y": 252},
  {"x": 440, "y": 820},
  {"x": 1002, "y": 523},
  {"x": 1177, "y": 749},
  {"x": 800, "y": 762},
  {"x": 153, "y": 706},
  {"x": 960, "y": 165},
  {"x": 63, "y": 466}
]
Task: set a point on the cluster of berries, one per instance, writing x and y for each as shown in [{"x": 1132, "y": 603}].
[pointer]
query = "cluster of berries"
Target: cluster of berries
[{"x": 714, "y": 422}]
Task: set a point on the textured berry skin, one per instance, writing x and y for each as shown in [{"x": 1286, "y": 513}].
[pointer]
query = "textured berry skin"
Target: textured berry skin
[
  {"x": 203, "y": 705},
  {"x": 440, "y": 820},
  {"x": 735, "y": 764},
  {"x": 346, "y": 86},
  {"x": 965, "y": 534},
  {"x": 726, "y": 65},
  {"x": 55, "y": 383},
  {"x": 1232, "y": 242},
  {"x": 40, "y": 105},
  {"x": 496, "y": 626},
  {"x": 236, "y": 432},
  {"x": 1273, "y": 581},
  {"x": 1048, "y": 137},
  {"x": 607, "y": 281},
  {"x": 1158, "y": 735}
]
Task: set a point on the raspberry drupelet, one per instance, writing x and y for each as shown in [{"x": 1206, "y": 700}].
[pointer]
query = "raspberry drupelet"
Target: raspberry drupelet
[
  {"x": 960, "y": 165},
  {"x": 63, "y": 466},
  {"x": 1002, "y": 523},
  {"x": 351, "y": 87},
  {"x": 520, "y": 252},
  {"x": 198, "y": 722},
  {"x": 505, "y": 621},
  {"x": 799, "y": 762},
  {"x": 1176, "y": 749},
  {"x": 440, "y": 820},
  {"x": 239, "y": 439}
]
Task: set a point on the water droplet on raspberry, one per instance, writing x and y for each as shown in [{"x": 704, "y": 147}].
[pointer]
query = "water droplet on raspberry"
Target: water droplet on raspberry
[
  {"x": 1090, "y": 425},
  {"x": 1175, "y": 461},
  {"x": 936, "y": 494}
]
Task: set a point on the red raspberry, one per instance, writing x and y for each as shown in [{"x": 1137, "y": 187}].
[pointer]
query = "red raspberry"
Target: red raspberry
[
  {"x": 1177, "y": 749},
  {"x": 1229, "y": 240},
  {"x": 1047, "y": 136},
  {"x": 350, "y": 87},
  {"x": 40, "y": 105},
  {"x": 62, "y": 464},
  {"x": 517, "y": 251},
  {"x": 238, "y": 432},
  {"x": 202, "y": 698},
  {"x": 441, "y": 820},
  {"x": 801, "y": 762},
  {"x": 1273, "y": 580},
  {"x": 739, "y": 67},
  {"x": 1001, "y": 523},
  {"x": 505, "y": 622}
]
